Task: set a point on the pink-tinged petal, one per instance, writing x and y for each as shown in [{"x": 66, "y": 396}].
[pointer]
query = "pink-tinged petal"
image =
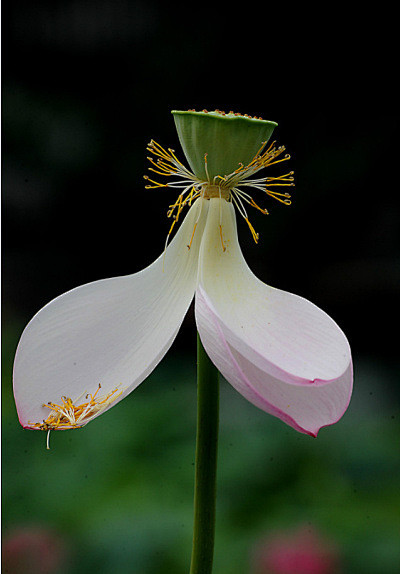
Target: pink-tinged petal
[
  {"x": 111, "y": 332},
  {"x": 280, "y": 351}
]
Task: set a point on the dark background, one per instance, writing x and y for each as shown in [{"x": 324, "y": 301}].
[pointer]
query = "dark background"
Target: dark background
[{"x": 87, "y": 84}]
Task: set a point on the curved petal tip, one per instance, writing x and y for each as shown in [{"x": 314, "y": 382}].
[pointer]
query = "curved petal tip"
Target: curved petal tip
[
  {"x": 280, "y": 351},
  {"x": 306, "y": 407}
]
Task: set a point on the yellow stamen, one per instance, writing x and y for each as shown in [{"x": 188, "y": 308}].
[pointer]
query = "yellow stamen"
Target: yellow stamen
[
  {"x": 70, "y": 416},
  {"x": 177, "y": 205},
  {"x": 191, "y": 239},
  {"x": 229, "y": 187},
  {"x": 253, "y": 204},
  {"x": 279, "y": 196},
  {"x": 172, "y": 226},
  {"x": 171, "y": 152},
  {"x": 161, "y": 169},
  {"x": 194, "y": 194},
  {"x": 253, "y": 232},
  {"x": 158, "y": 150},
  {"x": 283, "y": 177},
  {"x": 156, "y": 184}
]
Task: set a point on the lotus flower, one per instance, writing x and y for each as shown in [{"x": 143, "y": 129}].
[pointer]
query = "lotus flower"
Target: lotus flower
[{"x": 95, "y": 344}]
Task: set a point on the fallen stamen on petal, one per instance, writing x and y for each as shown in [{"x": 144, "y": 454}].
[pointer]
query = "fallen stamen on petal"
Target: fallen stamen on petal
[
  {"x": 68, "y": 415},
  {"x": 191, "y": 239},
  {"x": 222, "y": 239}
]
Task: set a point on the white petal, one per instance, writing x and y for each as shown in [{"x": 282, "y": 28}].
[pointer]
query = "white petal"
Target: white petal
[
  {"x": 279, "y": 350},
  {"x": 113, "y": 332}
]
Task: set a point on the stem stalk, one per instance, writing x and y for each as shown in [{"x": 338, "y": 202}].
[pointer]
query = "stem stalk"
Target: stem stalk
[{"x": 206, "y": 463}]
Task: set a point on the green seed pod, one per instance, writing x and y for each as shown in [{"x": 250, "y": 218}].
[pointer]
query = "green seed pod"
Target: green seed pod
[{"x": 227, "y": 140}]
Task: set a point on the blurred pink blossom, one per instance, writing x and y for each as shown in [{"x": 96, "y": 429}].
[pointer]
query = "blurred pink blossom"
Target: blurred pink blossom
[
  {"x": 301, "y": 551},
  {"x": 33, "y": 550}
]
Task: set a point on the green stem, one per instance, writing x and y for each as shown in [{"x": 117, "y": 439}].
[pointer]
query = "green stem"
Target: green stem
[{"x": 206, "y": 463}]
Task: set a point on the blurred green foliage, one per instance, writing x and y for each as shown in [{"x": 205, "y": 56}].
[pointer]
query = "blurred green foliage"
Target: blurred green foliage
[{"x": 119, "y": 492}]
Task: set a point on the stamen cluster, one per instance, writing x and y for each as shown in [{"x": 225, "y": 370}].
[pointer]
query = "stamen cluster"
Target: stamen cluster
[
  {"x": 69, "y": 415},
  {"x": 228, "y": 186}
]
